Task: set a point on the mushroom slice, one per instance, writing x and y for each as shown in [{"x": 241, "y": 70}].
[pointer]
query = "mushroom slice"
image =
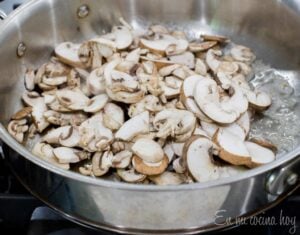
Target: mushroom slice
[
  {"x": 123, "y": 37},
  {"x": 187, "y": 58},
  {"x": 69, "y": 155},
  {"x": 159, "y": 29},
  {"x": 148, "y": 150},
  {"x": 173, "y": 122},
  {"x": 216, "y": 38},
  {"x": 54, "y": 81},
  {"x": 54, "y": 135},
  {"x": 67, "y": 52},
  {"x": 168, "y": 150},
  {"x": 264, "y": 143},
  {"x": 45, "y": 152},
  {"x": 64, "y": 119},
  {"x": 17, "y": 129},
  {"x": 101, "y": 163},
  {"x": 159, "y": 63},
  {"x": 72, "y": 139},
  {"x": 139, "y": 124},
  {"x": 200, "y": 67},
  {"x": 199, "y": 131},
  {"x": 209, "y": 128},
  {"x": 244, "y": 122},
  {"x": 168, "y": 178},
  {"x": 242, "y": 53},
  {"x": 122, "y": 159},
  {"x": 177, "y": 148},
  {"x": 258, "y": 100},
  {"x": 166, "y": 71},
  {"x": 23, "y": 113},
  {"x": 198, "y": 159},
  {"x": 187, "y": 96},
  {"x": 96, "y": 82},
  {"x": 131, "y": 176},
  {"x": 232, "y": 148},
  {"x": 113, "y": 116},
  {"x": 202, "y": 46},
  {"x": 259, "y": 154},
  {"x": 224, "y": 111},
  {"x": 149, "y": 168},
  {"x": 94, "y": 135},
  {"x": 96, "y": 103},
  {"x": 134, "y": 56},
  {"x": 162, "y": 45},
  {"x": 149, "y": 102},
  {"x": 29, "y": 79},
  {"x": 71, "y": 99},
  {"x": 179, "y": 166},
  {"x": 30, "y": 97},
  {"x": 123, "y": 82}
]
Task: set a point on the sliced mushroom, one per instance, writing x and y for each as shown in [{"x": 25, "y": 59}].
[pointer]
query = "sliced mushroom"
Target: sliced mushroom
[
  {"x": 179, "y": 166},
  {"x": 242, "y": 53},
  {"x": 101, "y": 163},
  {"x": 139, "y": 124},
  {"x": 159, "y": 63},
  {"x": 148, "y": 103},
  {"x": 123, "y": 37},
  {"x": 45, "y": 152},
  {"x": 202, "y": 46},
  {"x": 149, "y": 168},
  {"x": 168, "y": 178},
  {"x": 54, "y": 135},
  {"x": 264, "y": 143},
  {"x": 96, "y": 81},
  {"x": 69, "y": 155},
  {"x": 131, "y": 176},
  {"x": 259, "y": 155},
  {"x": 216, "y": 38},
  {"x": 23, "y": 113},
  {"x": 169, "y": 152},
  {"x": 94, "y": 135},
  {"x": 113, "y": 116},
  {"x": 187, "y": 96},
  {"x": 224, "y": 111},
  {"x": 72, "y": 139},
  {"x": 67, "y": 52},
  {"x": 122, "y": 159},
  {"x": 187, "y": 58},
  {"x": 200, "y": 67},
  {"x": 29, "y": 79},
  {"x": 148, "y": 150},
  {"x": 173, "y": 122},
  {"x": 96, "y": 103},
  {"x": 71, "y": 99},
  {"x": 232, "y": 148},
  {"x": 17, "y": 129},
  {"x": 64, "y": 119}
]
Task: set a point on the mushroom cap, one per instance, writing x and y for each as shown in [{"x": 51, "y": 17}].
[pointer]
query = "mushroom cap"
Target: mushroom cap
[{"x": 148, "y": 150}]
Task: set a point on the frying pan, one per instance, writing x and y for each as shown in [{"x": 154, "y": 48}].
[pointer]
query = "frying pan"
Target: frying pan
[{"x": 27, "y": 39}]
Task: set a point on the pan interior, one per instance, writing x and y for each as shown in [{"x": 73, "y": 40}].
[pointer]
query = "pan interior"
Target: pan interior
[{"x": 269, "y": 28}]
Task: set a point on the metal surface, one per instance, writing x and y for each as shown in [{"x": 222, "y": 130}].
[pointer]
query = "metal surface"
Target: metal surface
[{"x": 268, "y": 28}]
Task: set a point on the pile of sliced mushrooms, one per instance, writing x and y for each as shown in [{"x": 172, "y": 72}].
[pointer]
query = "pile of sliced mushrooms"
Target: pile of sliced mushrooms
[{"x": 151, "y": 108}]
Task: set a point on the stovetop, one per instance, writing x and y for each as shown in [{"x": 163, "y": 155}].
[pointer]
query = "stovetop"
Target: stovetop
[{"x": 21, "y": 213}]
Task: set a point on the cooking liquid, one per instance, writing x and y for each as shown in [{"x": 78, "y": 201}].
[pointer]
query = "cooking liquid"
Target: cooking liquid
[{"x": 280, "y": 124}]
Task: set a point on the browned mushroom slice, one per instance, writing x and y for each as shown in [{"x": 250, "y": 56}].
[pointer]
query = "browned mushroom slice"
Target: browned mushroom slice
[
  {"x": 148, "y": 150},
  {"x": 264, "y": 143},
  {"x": 232, "y": 148},
  {"x": 23, "y": 113},
  {"x": 217, "y": 38},
  {"x": 259, "y": 155},
  {"x": 147, "y": 168},
  {"x": 201, "y": 46}
]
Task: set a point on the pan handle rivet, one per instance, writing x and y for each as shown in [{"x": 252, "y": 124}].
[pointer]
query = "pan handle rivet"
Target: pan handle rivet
[
  {"x": 292, "y": 179},
  {"x": 21, "y": 49},
  {"x": 83, "y": 11}
]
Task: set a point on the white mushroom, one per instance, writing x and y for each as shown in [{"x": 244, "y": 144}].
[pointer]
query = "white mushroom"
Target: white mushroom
[
  {"x": 168, "y": 178},
  {"x": 96, "y": 81},
  {"x": 202, "y": 46},
  {"x": 187, "y": 58},
  {"x": 72, "y": 139},
  {"x": 101, "y": 163},
  {"x": 96, "y": 103},
  {"x": 200, "y": 67},
  {"x": 45, "y": 152},
  {"x": 224, "y": 111},
  {"x": 131, "y": 176},
  {"x": 17, "y": 129},
  {"x": 169, "y": 152},
  {"x": 242, "y": 53},
  {"x": 149, "y": 103},
  {"x": 259, "y": 155},
  {"x": 22, "y": 113},
  {"x": 122, "y": 159},
  {"x": 71, "y": 99},
  {"x": 139, "y": 124},
  {"x": 148, "y": 150},
  {"x": 94, "y": 135},
  {"x": 217, "y": 38},
  {"x": 147, "y": 168},
  {"x": 29, "y": 79},
  {"x": 54, "y": 135},
  {"x": 123, "y": 37},
  {"x": 69, "y": 155},
  {"x": 113, "y": 116},
  {"x": 64, "y": 119},
  {"x": 67, "y": 52}
]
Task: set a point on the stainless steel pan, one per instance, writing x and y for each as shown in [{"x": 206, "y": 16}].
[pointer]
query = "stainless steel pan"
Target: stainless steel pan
[{"x": 27, "y": 38}]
